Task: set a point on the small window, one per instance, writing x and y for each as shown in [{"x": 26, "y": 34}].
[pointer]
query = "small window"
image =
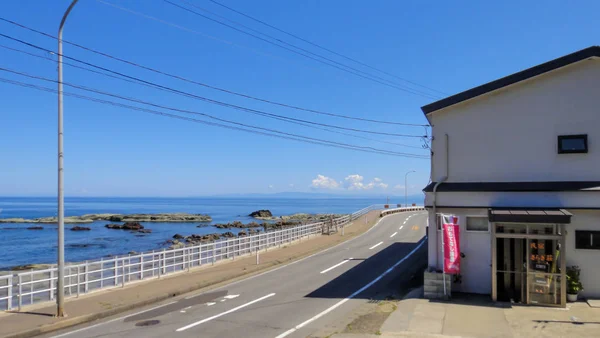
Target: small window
[
  {"x": 587, "y": 240},
  {"x": 572, "y": 144},
  {"x": 477, "y": 223}
]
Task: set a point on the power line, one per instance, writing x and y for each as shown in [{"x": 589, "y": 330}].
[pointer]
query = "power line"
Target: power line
[
  {"x": 45, "y": 58},
  {"x": 291, "y": 137},
  {"x": 93, "y": 90},
  {"x": 299, "y": 48},
  {"x": 210, "y": 86},
  {"x": 331, "y": 63},
  {"x": 241, "y": 108},
  {"x": 324, "y": 48},
  {"x": 127, "y": 80}
]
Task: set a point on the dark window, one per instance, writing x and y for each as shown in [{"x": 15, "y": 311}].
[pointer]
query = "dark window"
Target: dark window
[
  {"x": 587, "y": 239},
  {"x": 572, "y": 144}
]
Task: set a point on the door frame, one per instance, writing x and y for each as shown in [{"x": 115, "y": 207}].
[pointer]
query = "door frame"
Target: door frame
[{"x": 561, "y": 238}]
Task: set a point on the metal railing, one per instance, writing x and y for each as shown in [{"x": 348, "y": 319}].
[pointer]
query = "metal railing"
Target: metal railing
[
  {"x": 403, "y": 209},
  {"x": 31, "y": 287}
]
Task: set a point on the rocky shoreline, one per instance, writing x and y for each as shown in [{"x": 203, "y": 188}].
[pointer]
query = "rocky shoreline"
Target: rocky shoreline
[
  {"x": 131, "y": 223},
  {"x": 163, "y": 218}
]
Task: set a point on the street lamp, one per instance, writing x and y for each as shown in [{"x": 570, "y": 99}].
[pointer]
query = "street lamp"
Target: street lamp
[
  {"x": 405, "y": 187},
  {"x": 60, "y": 285}
]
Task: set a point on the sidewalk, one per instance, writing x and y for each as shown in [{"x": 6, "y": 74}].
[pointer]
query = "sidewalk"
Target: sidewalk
[
  {"x": 38, "y": 319},
  {"x": 478, "y": 316}
]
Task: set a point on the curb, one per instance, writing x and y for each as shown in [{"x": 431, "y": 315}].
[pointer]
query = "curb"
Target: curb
[
  {"x": 104, "y": 314},
  {"x": 215, "y": 285}
]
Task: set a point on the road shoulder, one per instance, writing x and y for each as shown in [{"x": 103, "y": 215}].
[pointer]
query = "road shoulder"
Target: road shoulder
[{"x": 38, "y": 319}]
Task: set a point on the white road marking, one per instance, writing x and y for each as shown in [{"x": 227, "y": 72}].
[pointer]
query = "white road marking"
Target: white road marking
[
  {"x": 222, "y": 300},
  {"x": 236, "y": 282},
  {"x": 224, "y": 313},
  {"x": 298, "y": 261},
  {"x": 405, "y": 221},
  {"x": 402, "y": 226},
  {"x": 112, "y": 320},
  {"x": 231, "y": 296},
  {"x": 335, "y": 266},
  {"x": 376, "y": 245},
  {"x": 394, "y": 234},
  {"x": 183, "y": 311},
  {"x": 210, "y": 303},
  {"x": 340, "y": 303}
]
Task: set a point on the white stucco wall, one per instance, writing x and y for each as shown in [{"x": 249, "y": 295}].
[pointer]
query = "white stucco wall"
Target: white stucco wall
[
  {"x": 511, "y": 134},
  {"x": 587, "y": 260},
  {"x": 475, "y": 267}
]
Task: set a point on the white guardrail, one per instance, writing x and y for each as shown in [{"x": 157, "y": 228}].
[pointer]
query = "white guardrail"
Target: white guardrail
[
  {"x": 35, "y": 286},
  {"x": 403, "y": 209}
]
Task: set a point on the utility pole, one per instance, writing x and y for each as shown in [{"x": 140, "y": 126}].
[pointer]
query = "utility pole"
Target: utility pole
[
  {"x": 60, "y": 285},
  {"x": 406, "y": 188}
]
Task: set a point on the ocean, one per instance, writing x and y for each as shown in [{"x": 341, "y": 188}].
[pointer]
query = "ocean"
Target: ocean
[{"x": 20, "y": 246}]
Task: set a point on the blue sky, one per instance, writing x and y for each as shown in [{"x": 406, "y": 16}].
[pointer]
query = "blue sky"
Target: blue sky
[{"x": 112, "y": 151}]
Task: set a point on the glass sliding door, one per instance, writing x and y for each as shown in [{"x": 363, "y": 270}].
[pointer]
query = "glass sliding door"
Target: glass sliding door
[{"x": 528, "y": 263}]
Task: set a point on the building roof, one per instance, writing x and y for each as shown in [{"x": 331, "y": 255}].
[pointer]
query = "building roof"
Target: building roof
[
  {"x": 516, "y": 186},
  {"x": 593, "y": 51},
  {"x": 556, "y": 216}
]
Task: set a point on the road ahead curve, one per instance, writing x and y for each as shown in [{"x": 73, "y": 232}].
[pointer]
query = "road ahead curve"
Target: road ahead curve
[{"x": 293, "y": 301}]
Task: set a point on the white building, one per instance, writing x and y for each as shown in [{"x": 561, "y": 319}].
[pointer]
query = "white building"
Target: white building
[{"x": 518, "y": 161}]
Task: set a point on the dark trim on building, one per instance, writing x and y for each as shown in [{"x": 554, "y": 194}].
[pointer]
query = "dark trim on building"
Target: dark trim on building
[
  {"x": 512, "y": 208},
  {"x": 512, "y": 79},
  {"x": 587, "y": 186},
  {"x": 555, "y": 216}
]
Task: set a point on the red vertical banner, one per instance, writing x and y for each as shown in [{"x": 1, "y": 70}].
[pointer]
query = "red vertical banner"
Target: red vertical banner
[{"x": 451, "y": 245}]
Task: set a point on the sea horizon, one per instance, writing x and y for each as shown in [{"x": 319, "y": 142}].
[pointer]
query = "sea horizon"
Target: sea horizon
[{"x": 23, "y": 246}]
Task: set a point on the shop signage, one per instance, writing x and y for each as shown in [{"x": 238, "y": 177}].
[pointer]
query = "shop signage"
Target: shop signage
[{"x": 451, "y": 245}]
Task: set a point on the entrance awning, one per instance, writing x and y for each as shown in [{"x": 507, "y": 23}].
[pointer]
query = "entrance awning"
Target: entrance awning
[{"x": 554, "y": 216}]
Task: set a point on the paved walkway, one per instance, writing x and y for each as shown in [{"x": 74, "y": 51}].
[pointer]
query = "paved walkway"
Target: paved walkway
[
  {"x": 38, "y": 319},
  {"x": 478, "y": 316}
]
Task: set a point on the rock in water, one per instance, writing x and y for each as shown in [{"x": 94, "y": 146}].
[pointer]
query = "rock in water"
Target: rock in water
[
  {"x": 114, "y": 226},
  {"x": 178, "y": 236},
  {"x": 228, "y": 234},
  {"x": 35, "y": 228},
  {"x": 261, "y": 213},
  {"x": 145, "y": 231},
  {"x": 78, "y": 228},
  {"x": 132, "y": 226}
]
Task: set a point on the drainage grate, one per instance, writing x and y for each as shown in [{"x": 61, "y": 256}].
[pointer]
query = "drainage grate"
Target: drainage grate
[{"x": 147, "y": 323}]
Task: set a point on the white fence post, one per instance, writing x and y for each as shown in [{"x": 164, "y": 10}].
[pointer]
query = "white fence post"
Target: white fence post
[
  {"x": 164, "y": 262},
  {"x": 116, "y": 273},
  {"x": 86, "y": 277},
  {"x": 78, "y": 279},
  {"x": 123, "y": 271},
  {"x": 101, "y": 273},
  {"x": 10, "y": 287},
  {"x": 51, "y": 285},
  {"x": 20, "y": 297},
  {"x": 142, "y": 266}
]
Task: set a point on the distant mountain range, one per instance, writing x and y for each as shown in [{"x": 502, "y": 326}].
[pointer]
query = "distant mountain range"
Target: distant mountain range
[{"x": 316, "y": 195}]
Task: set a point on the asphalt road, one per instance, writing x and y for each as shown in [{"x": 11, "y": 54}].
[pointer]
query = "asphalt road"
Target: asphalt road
[{"x": 293, "y": 301}]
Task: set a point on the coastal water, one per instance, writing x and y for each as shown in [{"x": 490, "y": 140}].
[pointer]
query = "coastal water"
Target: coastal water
[{"x": 19, "y": 246}]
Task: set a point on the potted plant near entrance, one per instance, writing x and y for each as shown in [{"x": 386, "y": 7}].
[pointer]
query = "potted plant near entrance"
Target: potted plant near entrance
[{"x": 574, "y": 285}]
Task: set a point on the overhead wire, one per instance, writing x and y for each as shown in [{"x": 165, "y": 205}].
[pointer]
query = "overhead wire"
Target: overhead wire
[
  {"x": 294, "y": 46},
  {"x": 323, "y": 48},
  {"x": 241, "y": 108},
  {"x": 283, "y": 135},
  {"x": 330, "y": 62},
  {"x": 131, "y": 81},
  {"x": 207, "y": 85}
]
